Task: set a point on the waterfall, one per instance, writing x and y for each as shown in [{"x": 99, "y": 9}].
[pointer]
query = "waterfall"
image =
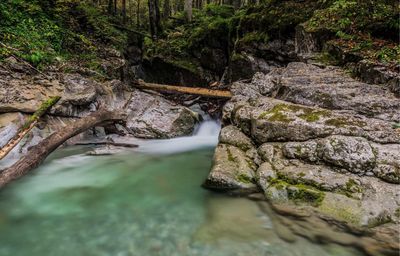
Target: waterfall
[{"x": 205, "y": 136}]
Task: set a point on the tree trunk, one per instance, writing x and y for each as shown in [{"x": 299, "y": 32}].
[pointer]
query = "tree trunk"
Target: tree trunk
[
  {"x": 115, "y": 7},
  {"x": 110, "y": 7},
  {"x": 166, "y": 9},
  {"x": 154, "y": 18},
  {"x": 123, "y": 11},
  {"x": 181, "y": 89},
  {"x": 37, "y": 154},
  {"x": 188, "y": 10},
  {"x": 138, "y": 14},
  {"x": 32, "y": 121}
]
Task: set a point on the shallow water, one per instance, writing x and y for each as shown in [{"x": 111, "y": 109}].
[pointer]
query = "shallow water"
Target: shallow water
[{"x": 148, "y": 202}]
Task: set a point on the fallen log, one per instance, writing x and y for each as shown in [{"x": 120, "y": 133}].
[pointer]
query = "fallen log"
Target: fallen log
[
  {"x": 29, "y": 124},
  {"x": 37, "y": 154},
  {"x": 107, "y": 143},
  {"x": 181, "y": 89}
]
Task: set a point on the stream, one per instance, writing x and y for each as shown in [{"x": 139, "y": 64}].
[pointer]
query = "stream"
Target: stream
[{"x": 146, "y": 201}]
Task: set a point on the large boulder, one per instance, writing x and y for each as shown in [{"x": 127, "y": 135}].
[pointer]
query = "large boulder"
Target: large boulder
[{"x": 152, "y": 116}]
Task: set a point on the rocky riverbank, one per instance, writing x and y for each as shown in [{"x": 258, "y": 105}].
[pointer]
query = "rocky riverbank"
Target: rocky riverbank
[
  {"x": 316, "y": 139},
  {"x": 22, "y": 91}
]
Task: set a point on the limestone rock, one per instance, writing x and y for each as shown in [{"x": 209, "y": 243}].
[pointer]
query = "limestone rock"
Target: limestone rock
[
  {"x": 331, "y": 88},
  {"x": 323, "y": 142},
  {"x": 354, "y": 154},
  {"x": 232, "y": 171},
  {"x": 233, "y": 136},
  {"x": 267, "y": 119},
  {"x": 151, "y": 116}
]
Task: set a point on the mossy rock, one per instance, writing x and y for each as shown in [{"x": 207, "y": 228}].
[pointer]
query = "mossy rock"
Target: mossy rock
[
  {"x": 305, "y": 194},
  {"x": 277, "y": 113}
]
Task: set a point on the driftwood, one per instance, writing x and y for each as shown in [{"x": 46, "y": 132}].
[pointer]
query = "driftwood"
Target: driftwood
[
  {"x": 181, "y": 89},
  {"x": 32, "y": 121},
  {"x": 107, "y": 143},
  {"x": 37, "y": 154}
]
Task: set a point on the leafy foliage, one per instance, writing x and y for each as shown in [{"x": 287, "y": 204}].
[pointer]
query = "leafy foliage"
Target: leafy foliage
[
  {"x": 369, "y": 27},
  {"x": 42, "y": 31}
]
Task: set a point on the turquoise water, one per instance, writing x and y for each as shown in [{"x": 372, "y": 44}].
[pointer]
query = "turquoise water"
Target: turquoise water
[{"x": 135, "y": 204}]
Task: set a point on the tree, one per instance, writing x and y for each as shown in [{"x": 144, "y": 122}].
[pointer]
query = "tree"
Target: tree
[
  {"x": 138, "y": 13},
  {"x": 166, "y": 9},
  {"x": 188, "y": 10},
  {"x": 110, "y": 7},
  {"x": 123, "y": 11},
  {"x": 154, "y": 18}
]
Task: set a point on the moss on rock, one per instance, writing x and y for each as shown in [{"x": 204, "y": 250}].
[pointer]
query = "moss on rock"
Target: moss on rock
[{"x": 279, "y": 113}]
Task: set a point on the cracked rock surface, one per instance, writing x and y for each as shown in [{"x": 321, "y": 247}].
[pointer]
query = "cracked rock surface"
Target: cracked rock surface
[{"x": 319, "y": 139}]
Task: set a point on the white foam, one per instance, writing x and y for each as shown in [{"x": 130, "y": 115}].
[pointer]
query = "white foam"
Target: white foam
[{"x": 206, "y": 136}]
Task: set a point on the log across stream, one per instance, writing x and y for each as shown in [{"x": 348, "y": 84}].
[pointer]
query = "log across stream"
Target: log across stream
[{"x": 142, "y": 201}]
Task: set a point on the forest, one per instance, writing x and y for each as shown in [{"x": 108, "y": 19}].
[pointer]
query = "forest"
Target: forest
[{"x": 200, "y": 127}]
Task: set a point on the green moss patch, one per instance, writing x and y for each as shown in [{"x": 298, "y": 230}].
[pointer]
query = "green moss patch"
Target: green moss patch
[
  {"x": 46, "y": 105},
  {"x": 342, "y": 122},
  {"x": 307, "y": 194},
  {"x": 244, "y": 178},
  {"x": 279, "y": 113}
]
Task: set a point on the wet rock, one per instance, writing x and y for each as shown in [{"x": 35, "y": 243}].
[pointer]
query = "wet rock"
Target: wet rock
[
  {"x": 232, "y": 171},
  {"x": 151, "y": 116},
  {"x": 233, "y": 136}
]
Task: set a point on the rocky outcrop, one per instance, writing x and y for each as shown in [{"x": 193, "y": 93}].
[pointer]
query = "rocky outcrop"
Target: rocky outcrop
[
  {"x": 22, "y": 91},
  {"x": 330, "y": 88},
  {"x": 315, "y": 138}
]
